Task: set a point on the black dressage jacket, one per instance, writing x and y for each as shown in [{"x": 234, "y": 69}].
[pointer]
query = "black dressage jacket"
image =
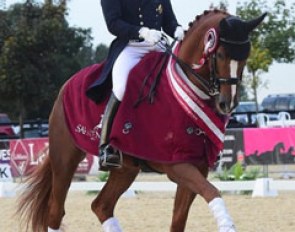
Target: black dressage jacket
[{"x": 124, "y": 18}]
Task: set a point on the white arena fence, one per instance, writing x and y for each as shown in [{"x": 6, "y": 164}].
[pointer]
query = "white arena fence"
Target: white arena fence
[{"x": 261, "y": 187}]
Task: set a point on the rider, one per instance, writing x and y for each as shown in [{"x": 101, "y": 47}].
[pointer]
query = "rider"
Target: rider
[{"x": 137, "y": 25}]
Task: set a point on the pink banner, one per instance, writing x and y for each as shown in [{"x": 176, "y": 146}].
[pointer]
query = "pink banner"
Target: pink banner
[
  {"x": 260, "y": 140},
  {"x": 26, "y": 154}
]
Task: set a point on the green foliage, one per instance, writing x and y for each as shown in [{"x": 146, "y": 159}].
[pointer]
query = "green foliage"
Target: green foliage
[
  {"x": 38, "y": 53},
  {"x": 223, "y": 5},
  {"x": 103, "y": 176},
  {"x": 277, "y": 34},
  {"x": 259, "y": 60},
  {"x": 251, "y": 174},
  {"x": 238, "y": 172},
  {"x": 101, "y": 53},
  {"x": 272, "y": 40}
]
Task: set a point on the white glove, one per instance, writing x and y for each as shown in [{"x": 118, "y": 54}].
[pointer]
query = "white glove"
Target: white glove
[
  {"x": 150, "y": 35},
  {"x": 179, "y": 33}
]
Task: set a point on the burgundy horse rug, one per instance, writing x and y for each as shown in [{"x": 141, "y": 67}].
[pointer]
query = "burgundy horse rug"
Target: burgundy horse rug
[{"x": 163, "y": 117}]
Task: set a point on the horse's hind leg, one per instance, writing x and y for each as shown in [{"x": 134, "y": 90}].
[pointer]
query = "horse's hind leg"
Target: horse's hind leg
[
  {"x": 64, "y": 159},
  {"x": 63, "y": 170},
  {"x": 183, "y": 200},
  {"x": 118, "y": 182}
]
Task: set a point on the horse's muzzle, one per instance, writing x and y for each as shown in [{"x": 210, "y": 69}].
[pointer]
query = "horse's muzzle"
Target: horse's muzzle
[{"x": 225, "y": 105}]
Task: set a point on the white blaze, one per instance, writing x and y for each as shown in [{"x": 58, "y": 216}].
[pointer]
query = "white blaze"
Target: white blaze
[{"x": 233, "y": 74}]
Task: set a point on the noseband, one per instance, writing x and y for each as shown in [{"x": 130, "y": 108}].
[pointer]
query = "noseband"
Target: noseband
[{"x": 215, "y": 81}]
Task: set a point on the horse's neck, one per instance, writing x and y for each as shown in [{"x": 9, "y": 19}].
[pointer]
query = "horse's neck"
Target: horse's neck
[
  {"x": 190, "y": 52},
  {"x": 191, "y": 49},
  {"x": 193, "y": 45}
]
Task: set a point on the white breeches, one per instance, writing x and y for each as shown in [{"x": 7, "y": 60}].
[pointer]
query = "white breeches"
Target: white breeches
[{"x": 127, "y": 59}]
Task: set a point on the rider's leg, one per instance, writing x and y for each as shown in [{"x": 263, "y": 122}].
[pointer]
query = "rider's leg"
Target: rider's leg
[
  {"x": 127, "y": 59},
  {"x": 107, "y": 157}
]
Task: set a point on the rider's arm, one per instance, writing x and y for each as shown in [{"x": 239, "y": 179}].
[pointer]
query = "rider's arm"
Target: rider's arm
[
  {"x": 169, "y": 20},
  {"x": 112, "y": 12}
]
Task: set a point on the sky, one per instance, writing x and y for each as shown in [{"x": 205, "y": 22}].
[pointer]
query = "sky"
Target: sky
[{"x": 88, "y": 14}]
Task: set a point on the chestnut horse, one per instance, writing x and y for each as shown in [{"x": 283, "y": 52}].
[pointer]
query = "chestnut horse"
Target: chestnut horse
[{"x": 211, "y": 58}]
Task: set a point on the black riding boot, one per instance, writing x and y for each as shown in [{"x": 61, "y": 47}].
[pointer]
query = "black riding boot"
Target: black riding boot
[{"x": 107, "y": 156}]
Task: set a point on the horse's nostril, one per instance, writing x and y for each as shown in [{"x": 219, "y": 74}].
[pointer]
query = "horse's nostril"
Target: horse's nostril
[{"x": 224, "y": 107}]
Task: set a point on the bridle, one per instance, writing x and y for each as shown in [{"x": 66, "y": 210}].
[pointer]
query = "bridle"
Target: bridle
[
  {"x": 212, "y": 86},
  {"x": 215, "y": 81}
]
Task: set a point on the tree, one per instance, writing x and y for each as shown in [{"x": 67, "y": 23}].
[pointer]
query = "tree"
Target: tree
[
  {"x": 258, "y": 62},
  {"x": 38, "y": 53},
  {"x": 101, "y": 53},
  {"x": 272, "y": 40},
  {"x": 223, "y": 5},
  {"x": 89, "y": 56}
]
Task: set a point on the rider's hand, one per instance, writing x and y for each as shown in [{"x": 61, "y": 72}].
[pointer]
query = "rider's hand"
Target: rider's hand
[
  {"x": 179, "y": 33},
  {"x": 150, "y": 35}
]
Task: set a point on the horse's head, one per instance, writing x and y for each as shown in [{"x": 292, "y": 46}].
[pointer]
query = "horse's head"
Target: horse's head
[{"x": 216, "y": 48}]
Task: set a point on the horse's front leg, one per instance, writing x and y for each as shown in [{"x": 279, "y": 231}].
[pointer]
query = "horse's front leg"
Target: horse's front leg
[
  {"x": 118, "y": 182},
  {"x": 188, "y": 175},
  {"x": 183, "y": 200}
]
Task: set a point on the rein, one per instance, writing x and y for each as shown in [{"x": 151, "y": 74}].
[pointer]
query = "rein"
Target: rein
[
  {"x": 158, "y": 68},
  {"x": 213, "y": 85},
  {"x": 203, "y": 81}
]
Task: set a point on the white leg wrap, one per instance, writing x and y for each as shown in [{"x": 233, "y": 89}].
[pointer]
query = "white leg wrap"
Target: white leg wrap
[
  {"x": 52, "y": 230},
  {"x": 111, "y": 225},
  {"x": 224, "y": 221}
]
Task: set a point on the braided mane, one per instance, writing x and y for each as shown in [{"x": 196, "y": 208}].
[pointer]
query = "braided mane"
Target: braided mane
[{"x": 205, "y": 13}]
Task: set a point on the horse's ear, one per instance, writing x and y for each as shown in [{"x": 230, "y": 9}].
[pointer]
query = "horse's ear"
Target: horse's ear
[
  {"x": 252, "y": 24},
  {"x": 224, "y": 24}
]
